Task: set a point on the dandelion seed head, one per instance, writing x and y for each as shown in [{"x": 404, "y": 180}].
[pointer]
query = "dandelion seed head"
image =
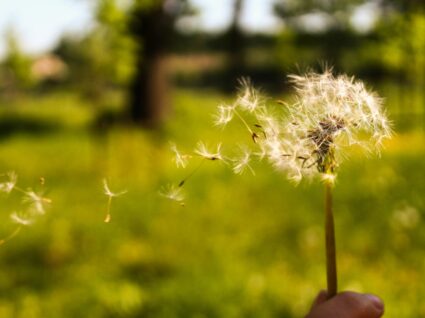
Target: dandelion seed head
[
  {"x": 269, "y": 122},
  {"x": 322, "y": 97},
  {"x": 329, "y": 113}
]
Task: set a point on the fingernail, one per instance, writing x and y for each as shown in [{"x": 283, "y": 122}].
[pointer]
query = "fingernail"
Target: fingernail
[{"x": 376, "y": 301}]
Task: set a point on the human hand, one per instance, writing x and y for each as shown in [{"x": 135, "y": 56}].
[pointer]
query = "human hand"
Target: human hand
[{"x": 346, "y": 305}]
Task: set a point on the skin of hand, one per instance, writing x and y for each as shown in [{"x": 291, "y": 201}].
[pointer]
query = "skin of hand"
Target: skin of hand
[{"x": 346, "y": 305}]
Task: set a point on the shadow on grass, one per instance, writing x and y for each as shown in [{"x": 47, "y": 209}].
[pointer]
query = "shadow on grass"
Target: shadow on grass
[{"x": 12, "y": 125}]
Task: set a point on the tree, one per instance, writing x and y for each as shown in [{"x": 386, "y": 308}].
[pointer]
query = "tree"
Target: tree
[
  {"x": 16, "y": 66},
  {"x": 403, "y": 50},
  {"x": 330, "y": 44},
  {"x": 104, "y": 57},
  {"x": 128, "y": 46},
  {"x": 337, "y": 12},
  {"x": 152, "y": 27},
  {"x": 235, "y": 47}
]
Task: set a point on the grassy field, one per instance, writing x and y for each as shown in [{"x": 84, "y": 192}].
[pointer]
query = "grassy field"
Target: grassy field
[{"x": 243, "y": 246}]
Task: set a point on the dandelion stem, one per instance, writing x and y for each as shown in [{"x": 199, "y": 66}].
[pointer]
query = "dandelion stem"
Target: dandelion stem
[
  {"x": 331, "y": 269},
  {"x": 11, "y": 236}
]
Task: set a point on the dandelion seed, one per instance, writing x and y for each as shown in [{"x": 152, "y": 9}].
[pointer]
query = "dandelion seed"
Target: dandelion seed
[
  {"x": 242, "y": 163},
  {"x": 180, "y": 160},
  {"x": 202, "y": 151},
  {"x": 10, "y": 184},
  {"x": 36, "y": 201},
  {"x": 224, "y": 115},
  {"x": 107, "y": 191},
  {"x": 22, "y": 219},
  {"x": 173, "y": 193},
  {"x": 35, "y": 205},
  {"x": 248, "y": 98}
]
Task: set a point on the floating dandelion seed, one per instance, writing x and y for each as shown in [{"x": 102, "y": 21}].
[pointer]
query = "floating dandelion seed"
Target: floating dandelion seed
[
  {"x": 21, "y": 218},
  {"x": 180, "y": 159},
  {"x": 202, "y": 151},
  {"x": 110, "y": 195},
  {"x": 35, "y": 205},
  {"x": 248, "y": 98},
  {"x": 224, "y": 115},
  {"x": 36, "y": 201},
  {"x": 173, "y": 193},
  {"x": 242, "y": 163},
  {"x": 9, "y": 185}
]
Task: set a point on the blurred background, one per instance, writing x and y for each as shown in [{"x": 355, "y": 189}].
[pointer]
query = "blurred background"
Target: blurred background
[{"x": 93, "y": 89}]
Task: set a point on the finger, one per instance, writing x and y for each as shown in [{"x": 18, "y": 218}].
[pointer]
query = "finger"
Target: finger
[
  {"x": 376, "y": 302},
  {"x": 321, "y": 297},
  {"x": 360, "y": 305}
]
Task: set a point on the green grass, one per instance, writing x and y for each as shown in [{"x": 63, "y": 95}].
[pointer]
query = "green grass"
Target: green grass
[{"x": 243, "y": 246}]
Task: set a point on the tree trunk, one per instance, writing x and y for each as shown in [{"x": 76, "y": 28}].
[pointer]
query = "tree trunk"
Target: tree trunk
[
  {"x": 149, "y": 102},
  {"x": 149, "y": 93},
  {"x": 235, "y": 48}
]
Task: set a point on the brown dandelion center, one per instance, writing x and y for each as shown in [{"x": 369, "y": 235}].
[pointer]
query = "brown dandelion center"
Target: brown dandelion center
[{"x": 323, "y": 138}]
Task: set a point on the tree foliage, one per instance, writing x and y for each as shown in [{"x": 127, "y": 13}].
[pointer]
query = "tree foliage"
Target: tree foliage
[
  {"x": 103, "y": 57},
  {"x": 16, "y": 66},
  {"x": 336, "y": 11}
]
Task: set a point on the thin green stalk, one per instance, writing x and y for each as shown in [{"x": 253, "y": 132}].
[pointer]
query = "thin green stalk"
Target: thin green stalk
[{"x": 331, "y": 269}]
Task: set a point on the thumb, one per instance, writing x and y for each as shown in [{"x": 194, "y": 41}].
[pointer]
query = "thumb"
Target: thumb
[
  {"x": 347, "y": 305},
  {"x": 321, "y": 297},
  {"x": 360, "y": 305}
]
